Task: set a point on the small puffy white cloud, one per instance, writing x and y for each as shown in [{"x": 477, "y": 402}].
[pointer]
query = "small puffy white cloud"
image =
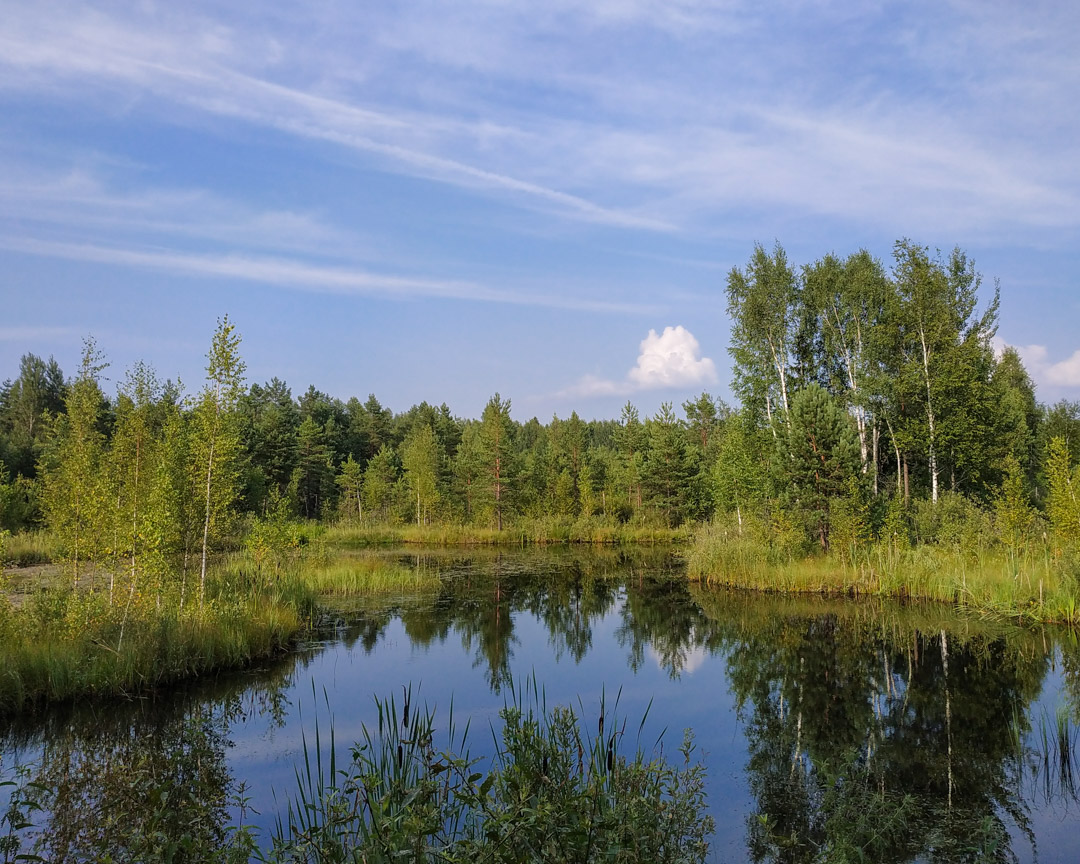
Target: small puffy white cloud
[
  {"x": 1063, "y": 373},
  {"x": 671, "y": 360},
  {"x": 667, "y": 361}
]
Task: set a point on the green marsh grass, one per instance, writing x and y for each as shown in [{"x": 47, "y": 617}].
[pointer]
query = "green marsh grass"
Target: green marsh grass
[
  {"x": 30, "y": 547},
  {"x": 1030, "y": 584},
  {"x": 364, "y": 574},
  {"x": 527, "y": 532},
  {"x": 62, "y": 645}
]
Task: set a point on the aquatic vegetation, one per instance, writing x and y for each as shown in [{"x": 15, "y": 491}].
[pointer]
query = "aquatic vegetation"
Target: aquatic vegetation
[
  {"x": 551, "y": 792},
  {"x": 63, "y": 644}
]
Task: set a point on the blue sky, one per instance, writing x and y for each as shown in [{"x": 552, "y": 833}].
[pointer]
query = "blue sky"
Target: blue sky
[{"x": 441, "y": 200}]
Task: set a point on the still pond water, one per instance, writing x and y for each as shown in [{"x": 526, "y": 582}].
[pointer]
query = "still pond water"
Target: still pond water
[{"x": 822, "y": 724}]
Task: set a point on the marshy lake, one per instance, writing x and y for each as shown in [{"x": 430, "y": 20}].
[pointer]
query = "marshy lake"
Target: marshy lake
[{"x": 827, "y": 727}]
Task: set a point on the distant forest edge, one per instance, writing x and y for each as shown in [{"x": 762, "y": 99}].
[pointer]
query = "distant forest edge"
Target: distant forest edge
[{"x": 873, "y": 408}]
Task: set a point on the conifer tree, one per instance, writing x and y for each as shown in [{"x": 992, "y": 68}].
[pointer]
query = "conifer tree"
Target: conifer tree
[
  {"x": 668, "y": 470},
  {"x": 817, "y": 461},
  {"x": 312, "y": 482},
  {"x": 496, "y": 433},
  {"x": 351, "y": 483},
  {"x": 469, "y": 468},
  {"x": 630, "y": 439},
  {"x": 380, "y": 478}
]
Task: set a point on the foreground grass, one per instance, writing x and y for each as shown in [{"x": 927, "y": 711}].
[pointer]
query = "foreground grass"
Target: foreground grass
[
  {"x": 1031, "y": 584},
  {"x": 553, "y": 792},
  {"x": 525, "y": 533}
]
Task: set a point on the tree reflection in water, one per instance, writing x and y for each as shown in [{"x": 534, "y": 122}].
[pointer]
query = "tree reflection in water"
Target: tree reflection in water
[
  {"x": 880, "y": 733},
  {"x": 142, "y": 781},
  {"x": 874, "y": 732}
]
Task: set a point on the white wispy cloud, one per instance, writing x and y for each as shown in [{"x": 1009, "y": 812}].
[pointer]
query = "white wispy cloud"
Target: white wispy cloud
[
  {"x": 301, "y": 275},
  {"x": 78, "y": 200},
  {"x": 572, "y": 110},
  {"x": 667, "y": 361},
  {"x": 70, "y": 52}
]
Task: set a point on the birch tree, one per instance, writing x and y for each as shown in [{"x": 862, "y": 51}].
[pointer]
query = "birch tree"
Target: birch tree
[
  {"x": 941, "y": 342},
  {"x": 850, "y": 299},
  {"x": 74, "y": 497},
  {"x": 136, "y": 447},
  {"x": 762, "y": 305},
  {"x": 420, "y": 461},
  {"x": 216, "y": 440}
]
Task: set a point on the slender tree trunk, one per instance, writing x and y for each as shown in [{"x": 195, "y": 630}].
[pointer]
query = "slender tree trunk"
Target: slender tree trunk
[
  {"x": 78, "y": 516},
  {"x": 877, "y": 453},
  {"x": 860, "y": 414},
  {"x": 896, "y": 448},
  {"x": 498, "y": 492},
  {"x": 134, "y": 543},
  {"x": 930, "y": 420},
  {"x": 206, "y": 526},
  {"x": 781, "y": 371},
  {"x": 206, "y": 521},
  {"x": 768, "y": 414},
  {"x": 183, "y": 575},
  {"x": 948, "y": 710}
]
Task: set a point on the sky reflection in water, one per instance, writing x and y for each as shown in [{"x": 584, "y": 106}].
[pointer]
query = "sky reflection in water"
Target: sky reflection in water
[{"x": 905, "y": 732}]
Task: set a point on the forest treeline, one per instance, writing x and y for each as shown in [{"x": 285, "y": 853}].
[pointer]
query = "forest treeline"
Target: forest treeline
[
  {"x": 318, "y": 457},
  {"x": 868, "y": 396}
]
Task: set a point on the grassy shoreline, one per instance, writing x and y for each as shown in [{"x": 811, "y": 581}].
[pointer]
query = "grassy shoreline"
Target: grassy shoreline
[
  {"x": 1032, "y": 584},
  {"x": 58, "y": 644},
  {"x": 529, "y": 533}
]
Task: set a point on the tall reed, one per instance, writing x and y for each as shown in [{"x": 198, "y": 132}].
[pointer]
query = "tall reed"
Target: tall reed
[{"x": 550, "y": 792}]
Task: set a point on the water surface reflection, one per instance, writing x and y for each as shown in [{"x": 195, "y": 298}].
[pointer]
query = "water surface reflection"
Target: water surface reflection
[{"x": 832, "y": 730}]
